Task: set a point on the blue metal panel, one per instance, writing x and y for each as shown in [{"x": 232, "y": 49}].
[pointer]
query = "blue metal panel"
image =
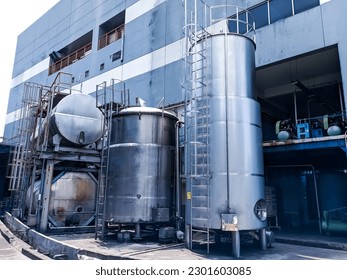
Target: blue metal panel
[
  {"x": 287, "y": 41},
  {"x": 142, "y": 32},
  {"x": 173, "y": 80},
  {"x": 153, "y": 30},
  {"x": 14, "y": 98},
  {"x": 10, "y": 131},
  {"x": 303, "y": 130},
  {"x": 174, "y": 21}
]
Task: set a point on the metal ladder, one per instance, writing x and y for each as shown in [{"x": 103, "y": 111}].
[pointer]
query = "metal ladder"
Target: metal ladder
[
  {"x": 23, "y": 152},
  {"x": 36, "y": 104},
  {"x": 197, "y": 115},
  {"x": 103, "y": 179},
  {"x": 108, "y": 108},
  {"x": 60, "y": 88}
]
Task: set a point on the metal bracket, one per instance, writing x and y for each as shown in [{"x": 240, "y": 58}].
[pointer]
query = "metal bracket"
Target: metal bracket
[{"x": 229, "y": 222}]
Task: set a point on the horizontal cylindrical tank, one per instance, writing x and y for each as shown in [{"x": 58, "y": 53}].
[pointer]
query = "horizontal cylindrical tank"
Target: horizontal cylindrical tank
[
  {"x": 76, "y": 120},
  {"x": 334, "y": 130},
  {"x": 142, "y": 157},
  {"x": 236, "y": 184},
  {"x": 72, "y": 199}
]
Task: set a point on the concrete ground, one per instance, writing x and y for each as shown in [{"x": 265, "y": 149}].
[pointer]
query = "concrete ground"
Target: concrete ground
[
  {"x": 9, "y": 252},
  {"x": 13, "y": 248},
  {"x": 289, "y": 245},
  {"x": 282, "y": 250}
]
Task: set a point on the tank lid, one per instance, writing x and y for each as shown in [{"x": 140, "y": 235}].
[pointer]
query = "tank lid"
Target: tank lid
[{"x": 146, "y": 110}]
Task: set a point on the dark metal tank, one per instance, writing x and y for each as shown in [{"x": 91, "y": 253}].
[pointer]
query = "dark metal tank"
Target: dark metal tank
[{"x": 142, "y": 158}]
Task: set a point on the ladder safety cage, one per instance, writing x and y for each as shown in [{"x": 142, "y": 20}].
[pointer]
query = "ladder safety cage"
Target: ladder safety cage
[{"x": 197, "y": 120}]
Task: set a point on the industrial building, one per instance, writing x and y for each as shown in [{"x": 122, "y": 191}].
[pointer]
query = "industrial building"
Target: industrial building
[{"x": 204, "y": 120}]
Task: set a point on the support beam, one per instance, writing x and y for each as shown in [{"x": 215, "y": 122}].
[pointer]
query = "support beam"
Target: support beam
[
  {"x": 46, "y": 195},
  {"x": 262, "y": 238},
  {"x": 236, "y": 243}
]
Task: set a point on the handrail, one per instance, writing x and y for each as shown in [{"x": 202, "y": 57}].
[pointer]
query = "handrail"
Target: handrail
[
  {"x": 71, "y": 58},
  {"x": 243, "y": 27},
  {"x": 111, "y": 36}
]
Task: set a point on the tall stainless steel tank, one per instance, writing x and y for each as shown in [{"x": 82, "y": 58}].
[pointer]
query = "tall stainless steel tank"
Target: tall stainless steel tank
[
  {"x": 235, "y": 136},
  {"x": 141, "y": 161},
  {"x": 76, "y": 121},
  {"x": 72, "y": 200}
]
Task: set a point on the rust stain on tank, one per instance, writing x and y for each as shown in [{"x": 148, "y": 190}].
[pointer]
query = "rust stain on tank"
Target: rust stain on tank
[
  {"x": 84, "y": 190},
  {"x": 59, "y": 211}
]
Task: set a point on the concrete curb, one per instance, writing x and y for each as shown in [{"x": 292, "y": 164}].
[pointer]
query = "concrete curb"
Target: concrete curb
[
  {"x": 39, "y": 246},
  {"x": 313, "y": 243},
  {"x": 20, "y": 245}
]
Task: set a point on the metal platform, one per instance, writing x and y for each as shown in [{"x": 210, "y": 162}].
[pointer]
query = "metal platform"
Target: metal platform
[
  {"x": 308, "y": 143},
  {"x": 323, "y": 152}
]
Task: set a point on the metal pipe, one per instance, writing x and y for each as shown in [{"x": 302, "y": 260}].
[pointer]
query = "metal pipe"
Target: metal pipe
[
  {"x": 185, "y": 78},
  {"x": 178, "y": 180},
  {"x": 123, "y": 94},
  {"x": 341, "y": 103},
  {"x": 122, "y": 50},
  {"x": 226, "y": 119},
  {"x": 308, "y": 108},
  {"x": 295, "y": 109},
  {"x": 314, "y": 182}
]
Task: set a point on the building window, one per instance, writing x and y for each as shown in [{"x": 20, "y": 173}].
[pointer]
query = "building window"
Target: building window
[
  {"x": 260, "y": 15},
  {"x": 71, "y": 53},
  {"x": 111, "y": 30},
  {"x": 241, "y": 24},
  {"x": 116, "y": 56},
  {"x": 270, "y": 11},
  {"x": 300, "y": 5},
  {"x": 280, "y": 9},
  {"x": 102, "y": 66},
  {"x": 86, "y": 73}
]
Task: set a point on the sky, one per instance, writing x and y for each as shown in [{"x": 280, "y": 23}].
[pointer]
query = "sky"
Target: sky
[{"x": 16, "y": 16}]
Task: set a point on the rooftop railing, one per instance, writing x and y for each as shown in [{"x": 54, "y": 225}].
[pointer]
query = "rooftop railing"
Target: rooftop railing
[
  {"x": 71, "y": 58},
  {"x": 111, "y": 36}
]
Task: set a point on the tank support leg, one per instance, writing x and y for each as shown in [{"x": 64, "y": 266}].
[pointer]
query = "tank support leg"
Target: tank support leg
[
  {"x": 262, "y": 238},
  {"x": 46, "y": 196},
  {"x": 137, "y": 232},
  {"x": 236, "y": 243},
  {"x": 188, "y": 238}
]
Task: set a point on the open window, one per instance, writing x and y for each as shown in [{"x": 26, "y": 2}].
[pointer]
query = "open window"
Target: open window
[
  {"x": 302, "y": 97},
  {"x": 111, "y": 30},
  {"x": 71, "y": 53}
]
